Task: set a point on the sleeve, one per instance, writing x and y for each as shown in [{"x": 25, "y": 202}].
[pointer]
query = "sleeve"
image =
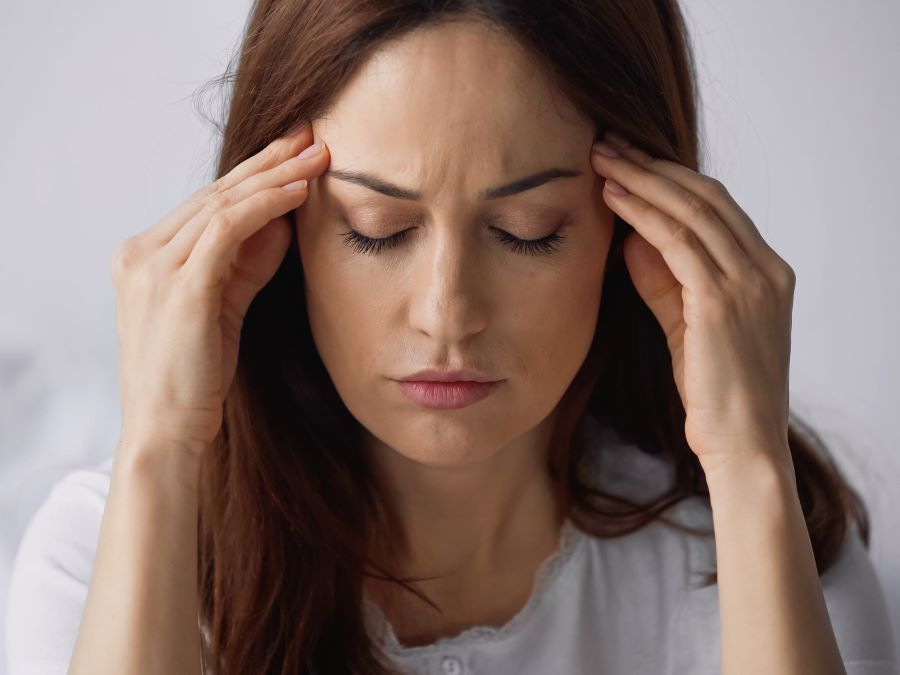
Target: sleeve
[
  {"x": 858, "y": 612},
  {"x": 51, "y": 573}
]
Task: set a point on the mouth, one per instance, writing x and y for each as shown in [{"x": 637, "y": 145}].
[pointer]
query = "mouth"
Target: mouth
[
  {"x": 457, "y": 375},
  {"x": 446, "y": 395}
]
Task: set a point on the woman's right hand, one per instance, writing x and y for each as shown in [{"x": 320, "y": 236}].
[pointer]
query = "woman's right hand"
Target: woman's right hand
[{"x": 183, "y": 287}]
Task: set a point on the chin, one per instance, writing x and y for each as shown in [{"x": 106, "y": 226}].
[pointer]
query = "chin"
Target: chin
[{"x": 439, "y": 457}]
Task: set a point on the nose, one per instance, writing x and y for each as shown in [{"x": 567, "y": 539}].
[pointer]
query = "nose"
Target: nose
[{"x": 450, "y": 286}]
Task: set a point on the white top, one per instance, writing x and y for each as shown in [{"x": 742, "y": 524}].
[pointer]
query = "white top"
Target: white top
[{"x": 622, "y": 606}]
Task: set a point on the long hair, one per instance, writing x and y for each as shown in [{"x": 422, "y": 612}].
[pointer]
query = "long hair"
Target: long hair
[{"x": 288, "y": 500}]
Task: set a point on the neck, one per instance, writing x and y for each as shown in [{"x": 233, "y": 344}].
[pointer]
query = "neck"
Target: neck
[{"x": 467, "y": 521}]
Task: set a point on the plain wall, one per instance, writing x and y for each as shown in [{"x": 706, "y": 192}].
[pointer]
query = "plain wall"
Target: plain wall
[{"x": 101, "y": 136}]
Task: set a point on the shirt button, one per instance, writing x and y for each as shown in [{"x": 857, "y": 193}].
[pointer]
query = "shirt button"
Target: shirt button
[{"x": 451, "y": 665}]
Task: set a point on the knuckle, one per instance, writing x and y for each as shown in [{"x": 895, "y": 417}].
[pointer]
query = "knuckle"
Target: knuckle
[
  {"x": 268, "y": 200},
  {"x": 785, "y": 276},
  {"x": 683, "y": 237},
  {"x": 286, "y": 170},
  {"x": 218, "y": 185},
  {"x": 220, "y": 224},
  {"x": 698, "y": 207},
  {"x": 209, "y": 189},
  {"x": 644, "y": 209},
  {"x": 202, "y": 195},
  {"x": 276, "y": 150},
  {"x": 714, "y": 185},
  {"x": 219, "y": 201},
  {"x": 124, "y": 257},
  {"x": 649, "y": 161}
]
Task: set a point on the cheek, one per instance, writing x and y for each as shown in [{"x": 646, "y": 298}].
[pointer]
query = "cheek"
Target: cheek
[
  {"x": 345, "y": 318},
  {"x": 349, "y": 316},
  {"x": 557, "y": 324},
  {"x": 342, "y": 301},
  {"x": 556, "y": 313}
]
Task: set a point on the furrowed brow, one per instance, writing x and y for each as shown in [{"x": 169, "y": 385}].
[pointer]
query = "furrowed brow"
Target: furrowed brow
[{"x": 377, "y": 184}]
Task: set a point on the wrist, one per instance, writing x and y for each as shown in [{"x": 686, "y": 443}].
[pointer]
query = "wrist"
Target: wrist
[
  {"x": 751, "y": 475},
  {"x": 150, "y": 460}
]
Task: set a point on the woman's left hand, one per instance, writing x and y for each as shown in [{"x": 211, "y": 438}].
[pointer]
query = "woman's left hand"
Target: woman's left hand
[{"x": 722, "y": 296}]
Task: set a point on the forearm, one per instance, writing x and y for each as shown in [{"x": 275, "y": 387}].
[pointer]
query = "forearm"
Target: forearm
[
  {"x": 772, "y": 611},
  {"x": 141, "y": 609}
]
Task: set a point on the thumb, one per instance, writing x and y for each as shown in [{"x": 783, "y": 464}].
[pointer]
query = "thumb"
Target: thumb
[
  {"x": 654, "y": 281},
  {"x": 255, "y": 263}
]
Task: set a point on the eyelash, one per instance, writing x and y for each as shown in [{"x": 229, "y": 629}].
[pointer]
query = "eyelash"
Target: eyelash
[{"x": 368, "y": 245}]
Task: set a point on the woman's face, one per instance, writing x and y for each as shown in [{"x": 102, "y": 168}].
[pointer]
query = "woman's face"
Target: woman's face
[{"x": 448, "y": 113}]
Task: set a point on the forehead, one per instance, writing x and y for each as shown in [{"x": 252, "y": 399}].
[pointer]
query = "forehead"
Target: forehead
[{"x": 449, "y": 97}]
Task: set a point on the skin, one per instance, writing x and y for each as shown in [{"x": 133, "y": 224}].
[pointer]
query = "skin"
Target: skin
[
  {"x": 722, "y": 296},
  {"x": 469, "y": 485},
  {"x": 724, "y": 299}
]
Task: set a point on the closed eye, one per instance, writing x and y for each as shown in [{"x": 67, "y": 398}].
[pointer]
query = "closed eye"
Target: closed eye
[{"x": 373, "y": 246}]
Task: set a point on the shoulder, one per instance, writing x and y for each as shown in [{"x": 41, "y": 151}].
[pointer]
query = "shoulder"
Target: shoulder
[
  {"x": 854, "y": 599},
  {"x": 51, "y": 571},
  {"x": 858, "y": 611},
  {"x": 62, "y": 526},
  {"x": 677, "y": 562}
]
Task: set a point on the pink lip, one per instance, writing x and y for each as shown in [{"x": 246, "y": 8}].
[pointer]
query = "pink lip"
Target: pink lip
[
  {"x": 446, "y": 395},
  {"x": 434, "y": 375}
]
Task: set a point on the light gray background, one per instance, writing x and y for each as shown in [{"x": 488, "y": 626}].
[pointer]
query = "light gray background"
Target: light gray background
[{"x": 101, "y": 136}]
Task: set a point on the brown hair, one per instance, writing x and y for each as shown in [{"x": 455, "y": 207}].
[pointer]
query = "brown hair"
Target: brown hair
[{"x": 288, "y": 500}]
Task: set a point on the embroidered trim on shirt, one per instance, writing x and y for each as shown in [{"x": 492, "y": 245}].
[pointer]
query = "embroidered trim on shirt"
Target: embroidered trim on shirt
[{"x": 547, "y": 573}]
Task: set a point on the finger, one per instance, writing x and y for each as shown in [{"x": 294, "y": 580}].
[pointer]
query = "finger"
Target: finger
[
  {"x": 211, "y": 257},
  {"x": 176, "y": 252},
  {"x": 680, "y": 247},
  {"x": 683, "y": 206},
  {"x": 273, "y": 154},
  {"x": 254, "y": 265},
  {"x": 654, "y": 282},
  {"x": 713, "y": 191}
]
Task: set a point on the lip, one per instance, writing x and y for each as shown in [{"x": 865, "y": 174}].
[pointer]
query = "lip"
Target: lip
[
  {"x": 464, "y": 375},
  {"x": 444, "y": 395}
]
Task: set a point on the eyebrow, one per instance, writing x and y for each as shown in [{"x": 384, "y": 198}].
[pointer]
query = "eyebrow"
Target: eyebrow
[{"x": 377, "y": 184}]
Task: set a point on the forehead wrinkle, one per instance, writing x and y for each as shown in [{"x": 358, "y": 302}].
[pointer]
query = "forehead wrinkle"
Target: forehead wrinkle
[
  {"x": 388, "y": 189},
  {"x": 438, "y": 120}
]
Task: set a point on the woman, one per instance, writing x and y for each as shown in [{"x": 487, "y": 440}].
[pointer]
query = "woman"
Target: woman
[{"x": 586, "y": 314}]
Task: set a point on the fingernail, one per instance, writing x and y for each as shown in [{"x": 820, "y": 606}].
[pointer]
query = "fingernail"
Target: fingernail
[
  {"x": 605, "y": 149},
  {"x": 615, "y": 188},
  {"x": 311, "y": 151},
  {"x": 296, "y": 185}
]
